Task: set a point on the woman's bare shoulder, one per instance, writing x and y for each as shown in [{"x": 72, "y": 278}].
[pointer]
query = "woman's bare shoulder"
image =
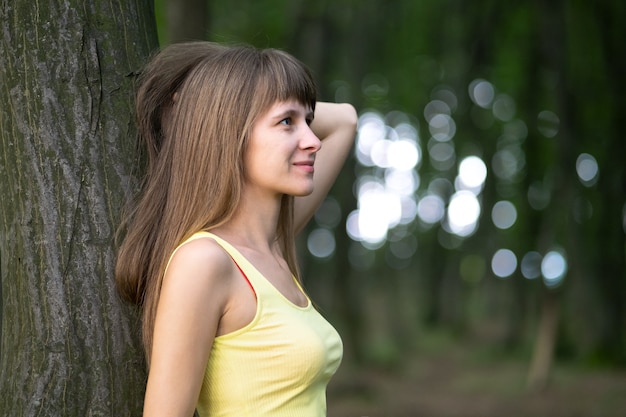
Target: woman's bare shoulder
[{"x": 201, "y": 265}]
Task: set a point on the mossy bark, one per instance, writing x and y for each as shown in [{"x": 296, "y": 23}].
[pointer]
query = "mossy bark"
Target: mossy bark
[{"x": 68, "y": 162}]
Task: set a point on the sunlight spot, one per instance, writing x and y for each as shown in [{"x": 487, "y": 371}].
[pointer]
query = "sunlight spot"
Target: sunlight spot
[
  {"x": 447, "y": 95},
  {"x": 506, "y": 163},
  {"x": 378, "y": 211},
  {"x": 553, "y": 268},
  {"x": 504, "y": 107},
  {"x": 435, "y": 108},
  {"x": 548, "y": 123},
  {"x": 403, "y": 155},
  {"x": 406, "y": 131},
  {"x": 380, "y": 153},
  {"x": 401, "y": 182},
  {"x": 531, "y": 265},
  {"x": 442, "y": 127},
  {"x": 482, "y": 93},
  {"x": 409, "y": 209},
  {"x": 321, "y": 243},
  {"x": 503, "y": 214},
  {"x": 472, "y": 173},
  {"x": 463, "y": 213},
  {"x": 441, "y": 154},
  {"x": 431, "y": 209},
  {"x": 503, "y": 263},
  {"x": 587, "y": 169},
  {"x": 371, "y": 130}
]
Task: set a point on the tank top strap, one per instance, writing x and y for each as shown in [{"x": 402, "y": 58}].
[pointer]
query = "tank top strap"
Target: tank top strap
[{"x": 250, "y": 273}]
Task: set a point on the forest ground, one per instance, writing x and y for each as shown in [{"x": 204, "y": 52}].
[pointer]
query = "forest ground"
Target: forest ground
[{"x": 462, "y": 381}]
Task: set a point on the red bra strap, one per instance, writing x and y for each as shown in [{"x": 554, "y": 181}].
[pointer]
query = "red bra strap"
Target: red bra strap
[{"x": 244, "y": 274}]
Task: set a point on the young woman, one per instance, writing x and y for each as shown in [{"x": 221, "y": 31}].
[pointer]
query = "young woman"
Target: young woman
[{"x": 240, "y": 155}]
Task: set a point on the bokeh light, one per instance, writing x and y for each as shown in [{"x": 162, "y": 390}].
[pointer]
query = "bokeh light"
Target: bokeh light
[
  {"x": 447, "y": 95},
  {"x": 503, "y": 263},
  {"x": 548, "y": 123},
  {"x": 431, "y": 209},
  {"x": 531, "y": 265},
  {"x": 508, "y": 162},
  {"x": 503, "y": 214},
  {"x": 442, "y": 155},
  {"x": 463, "y": 213},
  {"x": 385, "y": 194},
  {"x": 436, "y": 107},
  {"x": 587, "y": 169},
  {"x": 482, "y": 93},
  {"x": 403, "y": 155},
  {"x": 504, "y": 107},
  {"x": 442, "y": 127},
  {"x": 321, "y": 243},
  {"x": 472, "y": 174},
  {"x": 553, "y": 268}
]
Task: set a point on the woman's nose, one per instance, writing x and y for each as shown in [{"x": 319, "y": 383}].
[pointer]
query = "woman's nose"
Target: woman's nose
[{"x": 310, "y": 140}]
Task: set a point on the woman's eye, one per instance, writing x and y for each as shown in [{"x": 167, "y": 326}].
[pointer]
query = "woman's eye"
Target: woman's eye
[{"x": 286, "y": 121}]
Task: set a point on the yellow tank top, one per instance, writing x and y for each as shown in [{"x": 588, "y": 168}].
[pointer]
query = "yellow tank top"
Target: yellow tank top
[{"x": 278, "y": 365}]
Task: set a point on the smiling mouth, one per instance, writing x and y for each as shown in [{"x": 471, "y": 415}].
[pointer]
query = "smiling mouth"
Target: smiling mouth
[{"x": 305, "y": 165}]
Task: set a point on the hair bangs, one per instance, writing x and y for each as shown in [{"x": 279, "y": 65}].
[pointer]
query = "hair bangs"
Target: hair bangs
[{"x": 281, "y": 78}]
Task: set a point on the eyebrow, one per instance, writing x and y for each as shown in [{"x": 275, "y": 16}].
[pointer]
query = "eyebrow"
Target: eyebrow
[{"x": 293, "y": 112}]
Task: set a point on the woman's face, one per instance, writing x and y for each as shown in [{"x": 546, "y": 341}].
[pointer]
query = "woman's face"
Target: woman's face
[{"x": 281, "y": 152}]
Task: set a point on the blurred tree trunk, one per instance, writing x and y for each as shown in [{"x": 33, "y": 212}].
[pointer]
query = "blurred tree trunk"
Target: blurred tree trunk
[
  {"x": 69, "y": 346},
  {"x": 543, "y": 353},
  {"x": 611, "y": 262},
  {"x": 558, "y": 225},
  {"x": 187, "y": 20}
]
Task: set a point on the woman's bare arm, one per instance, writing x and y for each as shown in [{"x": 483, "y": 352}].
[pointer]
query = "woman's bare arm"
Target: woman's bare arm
[
  {"x": 335, "y": 125},
  {"x": 192, "y": 299}
]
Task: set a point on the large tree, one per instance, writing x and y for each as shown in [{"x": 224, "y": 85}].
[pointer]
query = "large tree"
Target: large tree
[{"x": 67, "y": 164}]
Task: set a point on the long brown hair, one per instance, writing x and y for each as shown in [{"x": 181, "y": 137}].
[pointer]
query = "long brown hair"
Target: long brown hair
[{"x": 196, "y": 105}]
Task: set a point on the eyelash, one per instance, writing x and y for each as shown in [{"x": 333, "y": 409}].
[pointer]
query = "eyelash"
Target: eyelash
[{"x": 289, "y": 121}]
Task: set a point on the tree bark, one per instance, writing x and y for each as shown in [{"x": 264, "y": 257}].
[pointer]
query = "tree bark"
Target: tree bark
[{"x": 68, "y": 162}]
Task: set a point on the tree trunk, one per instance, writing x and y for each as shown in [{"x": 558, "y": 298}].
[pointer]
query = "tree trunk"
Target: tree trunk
[
  {"x": 68, "y": 161},
  {"x": 543, "y": 353}
]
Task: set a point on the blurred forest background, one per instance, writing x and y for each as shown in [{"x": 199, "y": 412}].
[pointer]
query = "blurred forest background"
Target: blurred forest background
[{"x": 472, "y": 254}]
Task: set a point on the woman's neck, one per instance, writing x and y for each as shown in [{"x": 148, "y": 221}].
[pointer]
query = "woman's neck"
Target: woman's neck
[{"x": 254, "y": 224}]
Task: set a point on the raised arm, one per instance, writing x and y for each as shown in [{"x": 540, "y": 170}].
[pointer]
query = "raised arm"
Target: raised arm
[{"x": 335, "y": 125}]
